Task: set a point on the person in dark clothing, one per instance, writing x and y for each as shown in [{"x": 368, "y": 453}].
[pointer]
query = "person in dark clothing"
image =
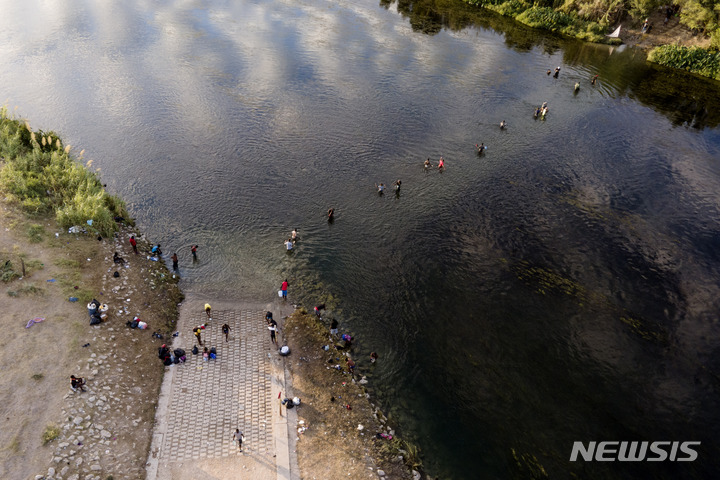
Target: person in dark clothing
[
  {"x": 175, "y": 261},
  {"x": 193, "y": 249},
  {"x": 331, "y": 215},
  {"x": 77, "y": 383},
  {"x": 557, "y": 72},
  {"x": 334, "y": 327},
  {"x": 226, "y": 331}
]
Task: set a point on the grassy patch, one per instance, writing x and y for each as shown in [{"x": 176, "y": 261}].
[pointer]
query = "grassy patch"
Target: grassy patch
[
  {"x": 9, "y": 271},
  {"x": 51, "y": 432},
  {"x": 36, "y": 233},
  {"x": 39, "y": 175},
  {"x": 37, "y": 376},
  {"x": 68, "y": 263},
  {"x": 30, "y": 289},
  {"x": 14, "y": 446}
]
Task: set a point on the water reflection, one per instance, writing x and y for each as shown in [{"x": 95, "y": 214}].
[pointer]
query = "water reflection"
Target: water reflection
[{"x": 687, "y": 100}]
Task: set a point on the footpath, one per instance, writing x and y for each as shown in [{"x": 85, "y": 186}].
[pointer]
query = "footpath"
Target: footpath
[{"x": 202, "y": 403}]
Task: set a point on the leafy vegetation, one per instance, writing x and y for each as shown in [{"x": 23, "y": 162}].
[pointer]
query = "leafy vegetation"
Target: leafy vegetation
[
  {"x": 8, "y": 272},
  {"x": 39, "y": 174},
  {"x": 693, "y": 59},
  {"x": 51, "y": 433}
]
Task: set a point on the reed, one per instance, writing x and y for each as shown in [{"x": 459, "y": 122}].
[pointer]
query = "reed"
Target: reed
[{"x": 42, "y": 177}]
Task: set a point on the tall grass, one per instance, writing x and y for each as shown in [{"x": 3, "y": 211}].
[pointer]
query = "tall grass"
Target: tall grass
[
  {"x": 40, "y": 175},
  {"x": 693, "y": 59}
]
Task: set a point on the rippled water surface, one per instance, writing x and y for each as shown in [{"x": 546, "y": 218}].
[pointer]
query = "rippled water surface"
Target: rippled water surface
[{"x": 562, "y": 287}]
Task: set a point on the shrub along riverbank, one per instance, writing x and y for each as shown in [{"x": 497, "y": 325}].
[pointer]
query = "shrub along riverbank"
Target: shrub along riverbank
[
  {"x": 39, "y": 174},
  {"x": 693, "y": 59},
  {"x": 591, "y": 20}
]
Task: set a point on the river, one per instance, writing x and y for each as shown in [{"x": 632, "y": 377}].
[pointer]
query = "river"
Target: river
[{"x": 562, "y": 287}]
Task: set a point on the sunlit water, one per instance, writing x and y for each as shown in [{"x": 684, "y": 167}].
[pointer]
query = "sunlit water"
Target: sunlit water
[{"x": 562, "y": 287}]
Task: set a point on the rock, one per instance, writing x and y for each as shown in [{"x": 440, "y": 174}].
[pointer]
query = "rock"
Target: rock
[
  {"x": 97, "y": 468},
  {"x": 64, "y": 470},
  {"x": 74, "y": 477},
  {"x": 51, "y": 472},
  {"x": 416, "y": 475},
  {"x": 381, "y": 473},
  {"x": 78, "y": 420},
  {"x": 79, "y": 461},
  {"x": 105, "y": 434},
  {"x": 39, "y": 477}
]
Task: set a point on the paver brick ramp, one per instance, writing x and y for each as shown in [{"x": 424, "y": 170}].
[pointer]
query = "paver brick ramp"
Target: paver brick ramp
[{"x": 203, "y": 402}]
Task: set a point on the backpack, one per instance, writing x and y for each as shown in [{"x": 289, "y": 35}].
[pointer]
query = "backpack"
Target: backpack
[
  {"x": 179, "y": 352},
  {"x": 95, "y": 320},
  {"x": 213, "y": 351},
  {"x": 134, "y": 324},
  {"x": 195, "y": 350}
]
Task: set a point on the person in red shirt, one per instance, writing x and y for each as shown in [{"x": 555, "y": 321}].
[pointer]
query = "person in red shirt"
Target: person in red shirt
[
  {"x": 284, "y": 289},
  {"x": 133, "y": 243}
]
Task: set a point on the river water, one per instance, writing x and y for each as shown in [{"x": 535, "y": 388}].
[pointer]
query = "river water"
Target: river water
[{"x": 562, "y": 287}]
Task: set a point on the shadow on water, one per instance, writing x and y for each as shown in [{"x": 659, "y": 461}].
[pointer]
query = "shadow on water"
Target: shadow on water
[{"x": 686, "y": 99}]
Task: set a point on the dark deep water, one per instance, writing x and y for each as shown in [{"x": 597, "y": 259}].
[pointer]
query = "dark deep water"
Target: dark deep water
[{"x": 563, "y": 287}]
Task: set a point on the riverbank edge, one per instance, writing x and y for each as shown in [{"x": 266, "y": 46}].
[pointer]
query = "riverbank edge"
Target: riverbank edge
[
  {"x": 155, "y": 276},
  {"x": 694, "y": 59},
  {"x": 308, "y": 338}
]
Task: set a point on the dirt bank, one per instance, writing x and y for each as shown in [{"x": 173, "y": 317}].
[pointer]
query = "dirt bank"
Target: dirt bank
[
  {"x": 335, "y": 441},
  {"x": 48, "y": 430},
  {"x": 661, "y": 33}
]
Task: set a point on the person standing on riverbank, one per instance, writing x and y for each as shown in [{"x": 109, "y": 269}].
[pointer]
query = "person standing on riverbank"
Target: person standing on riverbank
[
  {"x": 283, "y": 289},
  {"x": 175, "y": 261},
  {"x": 197, "y": 332},
  {"x": 273, "y": 331},
  {"x": 226, "y": 331},
  {"x": 133, "y": 242},
  {"x": 208, "y": 311}
]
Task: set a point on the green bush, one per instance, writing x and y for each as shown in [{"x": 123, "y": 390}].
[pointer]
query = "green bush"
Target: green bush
[
  {"x": 693, "y": 59},
  {"x": 42, "y": 177}
]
